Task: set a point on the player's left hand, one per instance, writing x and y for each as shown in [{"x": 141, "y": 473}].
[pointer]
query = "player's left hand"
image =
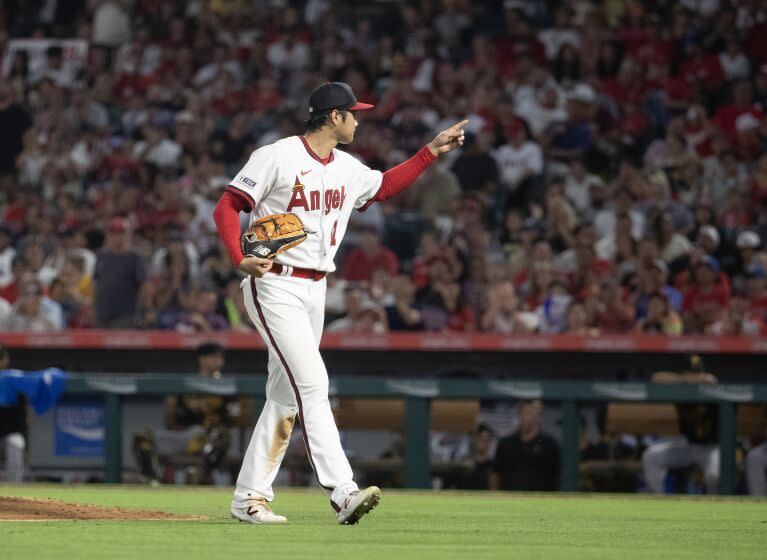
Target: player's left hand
[
  {"x": 255, "y": 266},
  {"x": 448, "y": 140}
]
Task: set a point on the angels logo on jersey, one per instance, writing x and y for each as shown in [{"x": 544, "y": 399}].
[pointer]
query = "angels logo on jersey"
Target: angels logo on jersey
[{"x": 334, "y": 198}]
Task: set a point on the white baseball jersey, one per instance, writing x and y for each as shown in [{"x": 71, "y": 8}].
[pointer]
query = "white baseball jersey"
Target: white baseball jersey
[{"x": 288, "y": 177}]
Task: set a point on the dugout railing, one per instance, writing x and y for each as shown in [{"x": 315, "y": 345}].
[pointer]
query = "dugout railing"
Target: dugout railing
[{"x": 418, "y": 394}]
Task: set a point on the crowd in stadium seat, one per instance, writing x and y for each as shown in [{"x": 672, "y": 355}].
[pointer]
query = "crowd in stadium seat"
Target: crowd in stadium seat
[{"x": 613, "y": 180}]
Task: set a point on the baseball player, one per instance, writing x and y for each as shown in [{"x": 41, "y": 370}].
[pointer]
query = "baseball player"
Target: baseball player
[{"x": 285, "y": 296}]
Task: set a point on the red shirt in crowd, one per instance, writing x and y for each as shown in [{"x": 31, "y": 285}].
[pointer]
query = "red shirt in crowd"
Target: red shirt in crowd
[
  {"x": 258, "y": 100},
  {"x": 756, "y": 43},
  {"x": 682, "y": 281},
  {"x": 359, "y": 266},
  {"x": 699, "y": 137},
  {"x": 704, "y": 70},
  {"x": 758, "y": 306},
  {"x": 726, "y": 116},
  {"x": 699, "y": 301},
  {"x": 677, "y": 89},
  {"x": 659, "y": 51},
  {"x": 462, "y": 320},
  {"x": 10, "y": 292},
  {"x": 623, "y": 92},
  {"x": 757, "y": 192}
]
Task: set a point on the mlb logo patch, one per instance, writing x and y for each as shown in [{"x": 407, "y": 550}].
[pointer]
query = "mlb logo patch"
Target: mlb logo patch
[{"x": 247, "y": 181}]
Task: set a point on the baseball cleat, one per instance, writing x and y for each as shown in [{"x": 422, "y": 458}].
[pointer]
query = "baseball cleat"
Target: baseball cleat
[
  {"x": 257, "y": 512},
  {"x": 357, "y": 504}
]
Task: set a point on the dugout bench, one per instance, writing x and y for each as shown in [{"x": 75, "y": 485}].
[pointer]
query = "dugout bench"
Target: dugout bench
[{"x": 417, "y": 395}]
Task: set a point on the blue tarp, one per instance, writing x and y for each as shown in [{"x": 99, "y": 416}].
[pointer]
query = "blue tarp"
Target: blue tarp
[{"x": 42, "y": 388}]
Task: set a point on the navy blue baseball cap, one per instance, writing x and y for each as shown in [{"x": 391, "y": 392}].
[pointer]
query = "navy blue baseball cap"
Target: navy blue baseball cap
[{"x": 335, "y": 95}]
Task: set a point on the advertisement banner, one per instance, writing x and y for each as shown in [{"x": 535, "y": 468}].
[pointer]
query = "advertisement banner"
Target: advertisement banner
[{"x": 79, "y": 428}]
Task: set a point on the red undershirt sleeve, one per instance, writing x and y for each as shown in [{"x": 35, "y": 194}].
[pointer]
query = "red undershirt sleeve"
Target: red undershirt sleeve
[
  {"x": 398, "y": 178},
  {"x": 227, "y": 218}
]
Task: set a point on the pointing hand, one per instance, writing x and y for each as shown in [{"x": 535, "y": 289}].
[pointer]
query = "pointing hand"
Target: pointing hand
[{"x": 448, "y": 140}]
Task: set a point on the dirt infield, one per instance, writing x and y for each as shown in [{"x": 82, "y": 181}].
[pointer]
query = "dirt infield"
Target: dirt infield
[{"x": 34, "y": 509}]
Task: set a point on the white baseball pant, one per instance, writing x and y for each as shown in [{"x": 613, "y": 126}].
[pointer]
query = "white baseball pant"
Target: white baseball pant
[
  {"x": 756, "y": 470},
  {"x": 676, "y": 454},
  {"x": 289, "y": 313},
  {"x": 15, "y": 444}
]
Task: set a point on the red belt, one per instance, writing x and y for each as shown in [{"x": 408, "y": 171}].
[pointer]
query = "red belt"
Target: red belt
[{"x": 308, "y": 273}]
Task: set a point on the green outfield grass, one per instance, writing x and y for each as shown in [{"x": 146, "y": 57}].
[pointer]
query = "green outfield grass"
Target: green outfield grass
[{"x": 407, "y": 525}]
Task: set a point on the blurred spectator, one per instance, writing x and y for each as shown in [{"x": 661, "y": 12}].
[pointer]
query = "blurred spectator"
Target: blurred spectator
[
  {"x": 574, "y": 137},
  {"x": 706, "y": 298},
  {"x": 442, "y": 306},
  {"x": 553, "y": 310},
  {"x": 671, "y": 243},
  {"x": 7, "y": 254},
  {"x": 370, "y": 254},
  {"x": 660, "y": 317},
  {"x": 520, "y": 163},
  {"x": 362, "y": 315},
  {"x": 429, "y": 252},
  {"x": 578, "y": 184},
  {"x": 33, "y": 312},
  {"x": 734, "y": 62},
  {"x": 748, "y": 244},
  {"x": 653, "y": 277},
  {"x": 233, "y": 306},
  {"x": 502, "y": 314},
  {"x": 10, "y": 292},
  {"x": 542, "y": 108},
  {"x": 475, "y": 167},
  {"x": 14, "y": 121},
  {"x": 401, "y": 314},
  {"x": 197, "y": 313},
  {"x": 561, "y": 218},
  {"x": 111, "y": 23},
  {"x": 726, "y": 117},
  {"x": 577, "y": 320},
  {"x": 756, "y": 289},
  {"x": 117, "y": 279},
  {"x": 157, "y": 148},
  {"x": 528, "y": 459},
  {"x": 606, "y": 219},
  {"x": 536, "y": 286},
  {"x": 435, "y": 193},
  {"x": 54, "y": 69},
  {"x": 611, "y": 308},
  {"x": 740, "y": 320}
]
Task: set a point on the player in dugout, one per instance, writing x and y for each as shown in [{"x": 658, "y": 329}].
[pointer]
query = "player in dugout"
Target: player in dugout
[{"x": 196, "y": 426}]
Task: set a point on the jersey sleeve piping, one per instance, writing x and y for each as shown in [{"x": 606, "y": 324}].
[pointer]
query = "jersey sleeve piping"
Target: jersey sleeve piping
[{"x": 242, "y": 194}]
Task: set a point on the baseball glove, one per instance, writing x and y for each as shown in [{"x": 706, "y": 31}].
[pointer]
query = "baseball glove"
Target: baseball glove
[{"x": 269, "y": 236}]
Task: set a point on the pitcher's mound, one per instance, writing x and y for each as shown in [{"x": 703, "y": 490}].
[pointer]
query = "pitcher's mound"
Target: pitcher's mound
[{"x": 33, "y": 509}]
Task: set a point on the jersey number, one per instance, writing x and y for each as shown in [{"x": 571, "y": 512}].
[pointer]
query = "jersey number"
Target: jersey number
[{"x": 333, "y": 234}]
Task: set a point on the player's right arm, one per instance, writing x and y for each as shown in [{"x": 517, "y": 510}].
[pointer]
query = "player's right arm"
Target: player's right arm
[
  {"x": 227, "y": 218},
  {"x": 242, "y": 195}
]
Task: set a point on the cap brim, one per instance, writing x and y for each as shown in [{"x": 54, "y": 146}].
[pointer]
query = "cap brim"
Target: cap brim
[{"x": 361, "y": 106}]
